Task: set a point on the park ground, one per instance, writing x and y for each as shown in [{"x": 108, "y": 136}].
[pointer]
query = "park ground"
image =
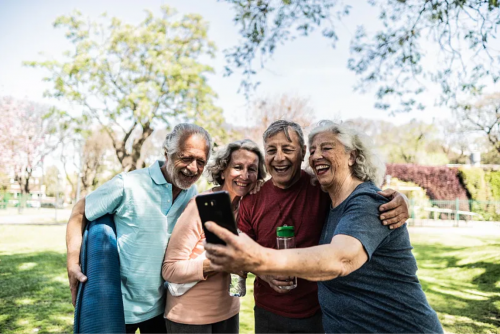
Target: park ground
[{"x": 459, "y": 269}]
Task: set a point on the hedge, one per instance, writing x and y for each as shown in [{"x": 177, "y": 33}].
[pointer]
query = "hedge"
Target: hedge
[
  {"x": 439, "y": 182},
  {"x": 493, "y": 179}
]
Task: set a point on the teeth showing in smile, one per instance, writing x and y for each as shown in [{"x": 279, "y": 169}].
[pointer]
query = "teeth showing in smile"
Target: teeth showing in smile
[
  {"x": 241, "y": 184},
  {"x": 321, "y": 167},
  {"x": 280, "y": 169}
]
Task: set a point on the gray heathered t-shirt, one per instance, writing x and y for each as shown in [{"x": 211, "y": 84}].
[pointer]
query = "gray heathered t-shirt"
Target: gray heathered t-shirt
[{"x": 384, "y": 295}]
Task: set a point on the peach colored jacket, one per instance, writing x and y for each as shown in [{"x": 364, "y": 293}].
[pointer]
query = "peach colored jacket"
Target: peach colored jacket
[{"x": 208, "y": 301}]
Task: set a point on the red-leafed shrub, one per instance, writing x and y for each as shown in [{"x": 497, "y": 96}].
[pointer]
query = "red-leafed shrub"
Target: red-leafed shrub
[{"x": 440, "y": 182}]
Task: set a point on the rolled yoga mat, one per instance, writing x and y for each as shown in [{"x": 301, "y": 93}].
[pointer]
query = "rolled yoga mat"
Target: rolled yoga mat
[{"x": 99, "y": 304}]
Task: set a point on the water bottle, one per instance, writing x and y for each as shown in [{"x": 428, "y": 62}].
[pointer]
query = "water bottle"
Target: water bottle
[
  {"x": 238, "y": 284},
  {"x": 285, "y": 239}
]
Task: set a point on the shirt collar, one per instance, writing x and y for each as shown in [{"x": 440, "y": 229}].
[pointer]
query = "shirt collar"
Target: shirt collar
[{"x": 156, "y": 174}]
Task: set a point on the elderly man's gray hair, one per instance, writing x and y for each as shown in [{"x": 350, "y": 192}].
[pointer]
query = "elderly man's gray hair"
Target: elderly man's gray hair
[
  {"x": 222, "y": 158},
  {"x": 182, "y": 131},
  {"x": 368, "y": 165},
  {"x": 282, "y": 126}
]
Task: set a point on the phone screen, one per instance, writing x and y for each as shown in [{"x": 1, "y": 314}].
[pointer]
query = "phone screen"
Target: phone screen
[{"x": 216, "y": 207}]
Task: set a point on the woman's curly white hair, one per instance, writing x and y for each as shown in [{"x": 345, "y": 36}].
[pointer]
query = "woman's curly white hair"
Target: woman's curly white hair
[
  {"x": 221, "y": 159},
  {"x": 368, "y": 166}
]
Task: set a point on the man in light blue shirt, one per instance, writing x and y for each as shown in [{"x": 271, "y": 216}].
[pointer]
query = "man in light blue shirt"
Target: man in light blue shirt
[{"x": 145, "y": 205}]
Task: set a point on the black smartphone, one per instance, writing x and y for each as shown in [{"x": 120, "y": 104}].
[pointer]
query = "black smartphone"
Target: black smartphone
[{"x": 216, "y": 207}]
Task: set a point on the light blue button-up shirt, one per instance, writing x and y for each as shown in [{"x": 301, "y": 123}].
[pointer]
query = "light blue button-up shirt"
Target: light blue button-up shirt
[{"x": 145, "y": 214}]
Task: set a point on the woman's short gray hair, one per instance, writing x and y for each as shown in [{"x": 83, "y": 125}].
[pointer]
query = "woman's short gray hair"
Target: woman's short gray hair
[
  {"x": 222, "y": 158},
  {"x": 180, "y": 131},
  {"x": 368, "y": 166}
]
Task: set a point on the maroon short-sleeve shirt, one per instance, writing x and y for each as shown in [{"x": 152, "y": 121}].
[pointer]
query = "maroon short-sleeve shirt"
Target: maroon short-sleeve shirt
[{"x": 303, "y": 206}]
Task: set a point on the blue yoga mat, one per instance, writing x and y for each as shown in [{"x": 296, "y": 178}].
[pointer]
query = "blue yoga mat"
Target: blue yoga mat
[{"x": 99, "y": 304}]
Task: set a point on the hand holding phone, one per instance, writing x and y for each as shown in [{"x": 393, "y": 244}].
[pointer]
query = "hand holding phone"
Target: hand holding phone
[{"x": 216, "y": 207}]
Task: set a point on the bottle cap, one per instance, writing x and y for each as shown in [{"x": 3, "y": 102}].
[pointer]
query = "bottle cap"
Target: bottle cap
[{"x": 285, "y": 231}]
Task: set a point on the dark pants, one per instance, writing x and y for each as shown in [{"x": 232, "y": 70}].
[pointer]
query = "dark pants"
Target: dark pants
[
  {"x": 154, "y": 325},
  {"x": 231, "y": 325},
  {"x": 268, "y": 322}
]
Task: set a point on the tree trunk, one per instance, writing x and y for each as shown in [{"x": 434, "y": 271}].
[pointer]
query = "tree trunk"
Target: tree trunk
[
  {"x": 131, "y": 161},
  {"x": 20, "y": 207},
  {"x": 23, "y": 179}
]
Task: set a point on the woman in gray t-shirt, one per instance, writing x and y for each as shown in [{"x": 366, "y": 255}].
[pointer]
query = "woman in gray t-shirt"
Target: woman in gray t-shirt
[{"x": 367, "y": 271}]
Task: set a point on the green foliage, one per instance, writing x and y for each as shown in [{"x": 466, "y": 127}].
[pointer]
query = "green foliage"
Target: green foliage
[
  {"x": 393, "y": 59},
  {"x": 492, "y": 157},
  {"x": 493, "y": 179},
  {"x": 415, "y": 142},
  {"x": 264, "y": 25},
  {"x": 417, "y": 196},
  {"x": 475, "y": 182},
  {"x": 481, "y": 115},
  {"x": 135, "y": 78}
]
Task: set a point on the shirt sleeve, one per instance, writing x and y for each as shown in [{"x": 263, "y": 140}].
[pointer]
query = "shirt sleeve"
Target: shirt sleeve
[
  {"x": 106, "y": 199},
  {"x": 177, "y": 266},
  {"x": 360, "y": 220},
  {"x": 245, "y": 219}
]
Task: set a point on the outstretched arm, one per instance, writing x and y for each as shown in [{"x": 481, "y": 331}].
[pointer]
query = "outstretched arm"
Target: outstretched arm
[
  {"x": 341, "y": 257},
  {"x": 74, "y": 231}
]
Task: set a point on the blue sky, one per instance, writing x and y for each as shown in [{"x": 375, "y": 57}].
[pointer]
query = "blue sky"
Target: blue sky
[{"x": 308, "y": 67}]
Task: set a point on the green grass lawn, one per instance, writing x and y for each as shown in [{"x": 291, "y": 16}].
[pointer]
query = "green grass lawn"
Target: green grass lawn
[
  {"x": 460, "y": 275},
  {"x": 461, "y": 278}
]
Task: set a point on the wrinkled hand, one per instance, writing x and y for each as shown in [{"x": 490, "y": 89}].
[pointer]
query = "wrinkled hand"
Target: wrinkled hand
[
  {"x": 207, "y": 269},
  {"x": 277, "y": 282},
  {"x": 396, "y": 212},
  {"x": 75, "y": 277},
  {"x": 257, "y": 187},
  {"x": 240, "y": 252}
]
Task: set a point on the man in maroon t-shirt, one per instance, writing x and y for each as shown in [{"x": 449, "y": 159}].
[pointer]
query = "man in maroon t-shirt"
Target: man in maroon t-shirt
[{"x": 290, "y": 198}]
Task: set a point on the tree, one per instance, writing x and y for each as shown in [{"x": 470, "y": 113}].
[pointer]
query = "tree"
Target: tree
[
  {"x": 94, "y": 161},
  {"x": 27, "y": 136},
  {"x": 392, "y": 59},
  {"x": 52, "y": 181},
  {"x": 415, "y": 142},
  {"x": 491, "y": 156},
  {"x": 134, "y": 79},
  {"x": 483, "y": 116},
  {"x": 269, "y": 109}
]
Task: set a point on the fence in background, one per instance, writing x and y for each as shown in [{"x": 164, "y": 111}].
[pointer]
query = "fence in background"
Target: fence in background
[
  {"x": 27, "y": 209},
  {"x": 455, "y": 212}
]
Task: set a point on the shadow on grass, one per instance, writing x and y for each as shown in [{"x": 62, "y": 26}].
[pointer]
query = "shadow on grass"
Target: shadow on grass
[
  {"x": 34, "y": 293},
  {"x": 462, "y": 290}
]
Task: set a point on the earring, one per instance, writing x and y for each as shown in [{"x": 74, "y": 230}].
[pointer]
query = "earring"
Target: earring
[{"x": 222, "y": 177}]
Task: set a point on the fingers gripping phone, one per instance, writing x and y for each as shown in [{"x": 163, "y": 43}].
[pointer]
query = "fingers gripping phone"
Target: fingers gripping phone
[{"x": 216, "y": 207}]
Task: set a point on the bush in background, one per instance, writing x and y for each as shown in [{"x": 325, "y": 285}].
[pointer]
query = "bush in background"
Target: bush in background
[
  {"x": 416, "y": 194},
  {"x": 479, "y": 190},
  {"x": 493, "y": 180},
  {"x": 439, "y": 182}
]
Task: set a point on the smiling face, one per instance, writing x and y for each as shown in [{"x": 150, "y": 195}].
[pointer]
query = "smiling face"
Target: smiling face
[
  {"x": 241, "y": 174},
  {"x": 283, "y": 158},
  {"x": 329, "y": 160},
  {"x": 187, "y": 164}
]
